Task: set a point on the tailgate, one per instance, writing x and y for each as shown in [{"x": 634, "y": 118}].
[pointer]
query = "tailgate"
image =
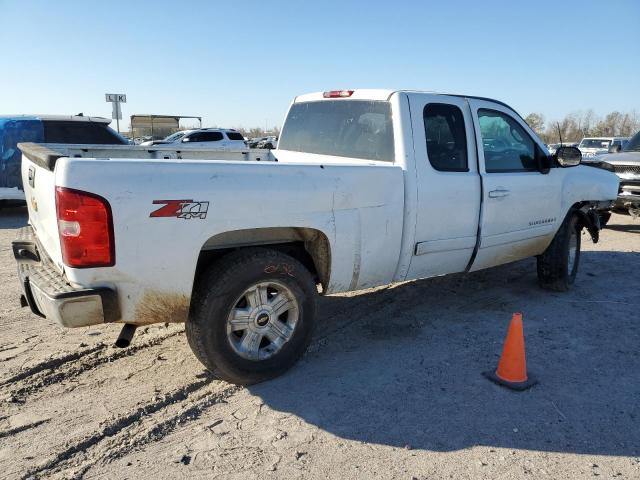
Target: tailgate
[{"x": 38, "y": 179}]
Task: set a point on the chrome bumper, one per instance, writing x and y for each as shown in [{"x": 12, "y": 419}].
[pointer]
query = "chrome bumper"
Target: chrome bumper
[
  {"x": 629, "y": 194},
  {"x": 49, "y": 295}
]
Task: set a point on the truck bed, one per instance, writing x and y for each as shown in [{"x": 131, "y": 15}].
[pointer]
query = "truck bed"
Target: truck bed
[
  {"x": 357, "y": 207},
  {"x": 46, "y": 155}
]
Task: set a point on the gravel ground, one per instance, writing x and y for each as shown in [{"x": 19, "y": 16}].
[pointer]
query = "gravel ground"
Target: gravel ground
[{"x": 390, "y": 388}]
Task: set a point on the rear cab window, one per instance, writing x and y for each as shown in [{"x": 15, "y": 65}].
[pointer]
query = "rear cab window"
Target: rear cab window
[{"x": 343, "y": 128}]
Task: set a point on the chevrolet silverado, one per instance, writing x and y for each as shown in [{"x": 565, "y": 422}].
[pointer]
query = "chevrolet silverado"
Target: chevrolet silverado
[{"x": 365, "y": 188}]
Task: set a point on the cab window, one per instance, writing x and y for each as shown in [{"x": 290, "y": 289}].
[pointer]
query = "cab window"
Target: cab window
[
  {"x": 507, "y": 146},
  {"x": 446, "y": 137}
]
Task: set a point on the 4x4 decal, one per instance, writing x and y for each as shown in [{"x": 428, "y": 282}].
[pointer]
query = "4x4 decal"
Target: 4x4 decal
[{"x": 186, "y": 209}]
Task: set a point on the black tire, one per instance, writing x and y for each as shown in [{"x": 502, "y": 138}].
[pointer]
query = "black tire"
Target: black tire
[
  {"x": 214, "y": 297},
  {"x": 554, "y": 272}
]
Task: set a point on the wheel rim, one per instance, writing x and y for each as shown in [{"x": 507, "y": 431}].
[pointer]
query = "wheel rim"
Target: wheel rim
[
  {"x": 573, "y": 251},
  {"x": 262, "y": 320}
]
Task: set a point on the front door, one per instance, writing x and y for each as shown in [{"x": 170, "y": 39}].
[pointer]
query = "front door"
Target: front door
[{"x": 520, "y": 205}]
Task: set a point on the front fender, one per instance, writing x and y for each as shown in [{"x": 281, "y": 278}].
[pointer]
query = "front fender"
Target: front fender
[{"x": 588, "y": 184}]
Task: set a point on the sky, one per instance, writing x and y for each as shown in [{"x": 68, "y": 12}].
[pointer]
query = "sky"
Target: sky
[{"x": 239, "y": 64}]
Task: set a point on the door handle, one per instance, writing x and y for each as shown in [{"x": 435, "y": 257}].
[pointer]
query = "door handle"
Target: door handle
[{"x": 499, "y": 192}]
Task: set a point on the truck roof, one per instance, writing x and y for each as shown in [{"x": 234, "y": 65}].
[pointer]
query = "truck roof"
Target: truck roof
[
  {"x": 58, "y": 118},
  {"x": 385, "y": 94}
]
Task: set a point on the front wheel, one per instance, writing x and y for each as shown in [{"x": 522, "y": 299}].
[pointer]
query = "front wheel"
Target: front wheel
[
  {"x": 253, "y": 314},
  {"x": 558, "y": 265}
]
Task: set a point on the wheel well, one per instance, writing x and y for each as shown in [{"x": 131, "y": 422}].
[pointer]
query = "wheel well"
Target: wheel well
[
  {"x": 309, "y": 246},
  {"x": 588, "y": 218}
]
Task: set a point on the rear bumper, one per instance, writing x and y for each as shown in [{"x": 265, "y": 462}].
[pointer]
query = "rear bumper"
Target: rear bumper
[{"x": 49, "y": 295}]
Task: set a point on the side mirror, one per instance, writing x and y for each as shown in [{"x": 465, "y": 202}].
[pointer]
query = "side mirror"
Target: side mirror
[
  {"x": 615, "y": 148},
  {"x": 568, "y": 156}
]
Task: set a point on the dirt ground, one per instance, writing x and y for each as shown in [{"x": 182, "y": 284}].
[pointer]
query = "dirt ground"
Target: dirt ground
[{"x": 390, "y": 388}]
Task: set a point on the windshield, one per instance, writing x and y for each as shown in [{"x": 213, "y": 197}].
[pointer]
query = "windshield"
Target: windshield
[
  {"x": 594, "y": 143},
  {"x": 343, "y": 128},
  {"x": 173, "y": 137},
  {"x": 634, "y": 144}
]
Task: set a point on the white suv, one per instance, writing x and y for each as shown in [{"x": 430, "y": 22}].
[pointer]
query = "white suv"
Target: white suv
[{"x": 204, "y": 138}]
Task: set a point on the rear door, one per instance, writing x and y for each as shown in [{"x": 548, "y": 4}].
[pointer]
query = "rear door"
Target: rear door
[
  {"x": 448, "y": 185},
  {"x": 520, "y": 205}
]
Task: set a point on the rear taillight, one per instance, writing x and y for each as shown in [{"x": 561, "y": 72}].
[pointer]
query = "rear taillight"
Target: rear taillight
[
  {"x": 85, "y": 227},
  {"x": 338, "y": 94}
]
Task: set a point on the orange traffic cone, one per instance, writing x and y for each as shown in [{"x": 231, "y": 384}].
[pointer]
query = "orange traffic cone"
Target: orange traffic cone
[{"x": 512, "y": 367}]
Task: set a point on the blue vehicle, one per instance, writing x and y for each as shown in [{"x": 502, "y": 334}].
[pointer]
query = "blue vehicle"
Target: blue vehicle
[{"x": 44, "y": 129}]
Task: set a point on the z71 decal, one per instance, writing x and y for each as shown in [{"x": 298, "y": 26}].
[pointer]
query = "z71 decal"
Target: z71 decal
[{"x": 186, "y": 209}]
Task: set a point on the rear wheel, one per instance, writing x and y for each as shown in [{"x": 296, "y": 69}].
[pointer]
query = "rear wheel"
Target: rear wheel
[
  {"x": 558, "y": 265},
  {"x": 252, "y": 316}
]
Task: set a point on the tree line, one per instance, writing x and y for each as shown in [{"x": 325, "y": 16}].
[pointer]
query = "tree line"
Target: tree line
[
  {"x": 258, "y": 132},
  {"x": 578, "y": 125}
]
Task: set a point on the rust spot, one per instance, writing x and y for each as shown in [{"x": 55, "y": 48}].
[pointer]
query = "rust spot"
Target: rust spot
[{"x": 162, "y": 307}]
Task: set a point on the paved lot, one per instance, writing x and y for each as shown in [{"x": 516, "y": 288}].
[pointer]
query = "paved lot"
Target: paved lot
[{"x": 391, "y": 387}]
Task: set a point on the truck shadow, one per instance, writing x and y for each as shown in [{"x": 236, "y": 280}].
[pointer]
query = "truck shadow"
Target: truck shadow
[
  {"x": 402, "y": 366},
  {"x": 628, "y": 227},
  {"x": 12, "y": 216}
]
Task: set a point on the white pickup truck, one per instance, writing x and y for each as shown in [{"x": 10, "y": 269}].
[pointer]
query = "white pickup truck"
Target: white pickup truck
[{"x": 366, "y": 187}]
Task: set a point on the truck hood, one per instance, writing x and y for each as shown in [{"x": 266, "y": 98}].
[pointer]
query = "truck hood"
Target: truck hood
[{"x": 621, "y": 158}]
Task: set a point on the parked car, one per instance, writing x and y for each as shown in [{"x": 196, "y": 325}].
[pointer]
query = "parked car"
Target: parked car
[
  {"x": 45, "y": 128},
  {"x": 268, "y": 142},
  {"x": 369, "y": 187},
  {"x": 140, "y": 140},
  {"x": 204, "y": 138},
  {"x": 593, "y": 146},
  {"x": 253, "y": 142},
  {"x": 626, "y": 164}
]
